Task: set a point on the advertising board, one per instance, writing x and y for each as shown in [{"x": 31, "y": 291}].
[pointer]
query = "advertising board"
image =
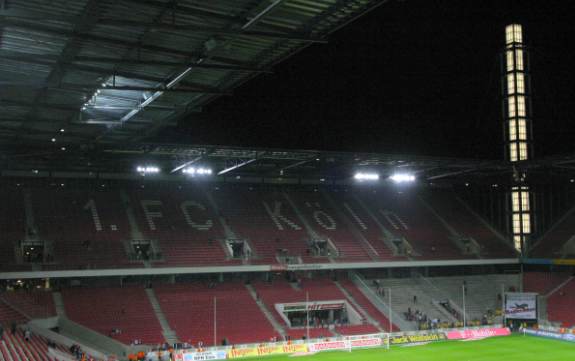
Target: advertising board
[
  {"x": 549, "y": 334},
  {"x": 407, "y": 339},
  {"x": 479, "y": 333},
  {"x": 522, "y": 306},
  {"x": 266, "y": 350}
]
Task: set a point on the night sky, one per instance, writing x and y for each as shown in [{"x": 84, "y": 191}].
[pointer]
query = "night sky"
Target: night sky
[{"x": 416, "y": 77}]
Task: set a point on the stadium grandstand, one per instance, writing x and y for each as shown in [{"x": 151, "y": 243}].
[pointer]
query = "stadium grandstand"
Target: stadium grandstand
[{"x": 117, "y": 244}]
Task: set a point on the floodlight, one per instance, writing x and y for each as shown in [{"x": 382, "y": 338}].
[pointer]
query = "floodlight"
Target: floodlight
[
  {"x": 148, "y": 169},
  {"x": 193, "y": 171},
  {"x": 359, "y": 176},
  {"x": 402, "y": 178}
]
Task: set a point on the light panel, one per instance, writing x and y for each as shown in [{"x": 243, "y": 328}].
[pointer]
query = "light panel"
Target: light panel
[
  {"x": 148, "y": 169},
  {"x": 200, "y": 171},
  {"x": 363, "y": 176},
  {"x": 402, "y": 178}
]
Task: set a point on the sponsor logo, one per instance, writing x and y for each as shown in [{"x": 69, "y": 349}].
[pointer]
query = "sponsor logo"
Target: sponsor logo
[
  {"x": 366, "y": 342},
  {"x": 202, "y": 356},
  {"x": 266, "y": 350},
  {"x": 341, "y": 345},
  {"x": 549, "y": 334},
  {"x": 480, "y": 333},
  {"x": 323, "y": 346},
  {"x": 399, "y": 340},
  {"x": 336, "y": 305}
]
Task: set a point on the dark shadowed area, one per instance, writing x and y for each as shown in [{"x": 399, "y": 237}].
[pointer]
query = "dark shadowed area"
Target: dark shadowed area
[{"x": 417, "y": 77}]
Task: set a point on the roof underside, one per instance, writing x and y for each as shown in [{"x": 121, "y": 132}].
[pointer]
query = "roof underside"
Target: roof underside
[
  {"x": 116, "y": 71},
  {"x": 259, "y": 163}
]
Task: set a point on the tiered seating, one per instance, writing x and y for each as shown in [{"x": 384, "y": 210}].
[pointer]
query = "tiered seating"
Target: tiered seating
[
  {"x": 366, "y": 304},
  {"x": 104, "y": 309},
  {"x": 16, "y": 348},
  {"x": 87, "y": 227},
  {"x": 189, "y": 309},
  {"x": 35, "y": 304},
  {"x": 90, "y": 227},
  {"x": 186, "y": 228},
  {"x": 9, "y": 315},
  {"x": 543, "y": 282},
  {"x": 466, "y": 224},
  {"x": 560, "y": 305},
  {"x": 408, "y": 217},
  {"x": 551, "y": 243},
  {"x": 327, "y": 224},
  {"x": 364, "y": 223},
  {"x": 244, "y": 210},
  {"x": 12, "y": 225}
]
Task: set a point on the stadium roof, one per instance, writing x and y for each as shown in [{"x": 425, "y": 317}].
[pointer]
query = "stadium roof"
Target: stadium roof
[
  {"x": 84, "y": 84},
  {"x": 116, "y": 71}
]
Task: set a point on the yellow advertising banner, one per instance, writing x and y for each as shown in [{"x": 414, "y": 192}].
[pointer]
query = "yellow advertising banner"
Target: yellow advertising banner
[
  {"x": 266, "y": 350},
  {"x": 564, "y": 262}
]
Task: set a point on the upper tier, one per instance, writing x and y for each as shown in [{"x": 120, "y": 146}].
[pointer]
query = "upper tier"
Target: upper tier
[{"x": 188, "y": 225}]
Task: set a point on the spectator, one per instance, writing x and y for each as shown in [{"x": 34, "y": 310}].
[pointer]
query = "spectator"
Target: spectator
[
  {"x": 414, "y": 298},
  {"x": 1, "y": 332},
  {"x": 13, "y": 328},
  {"x": 27, "y": 335}
]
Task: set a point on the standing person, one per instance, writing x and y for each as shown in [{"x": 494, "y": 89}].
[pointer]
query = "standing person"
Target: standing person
[
  {"x": 13, "y": 328},
  {"x": 1, "y": 332},
  {"x": 27, "y": 335}
]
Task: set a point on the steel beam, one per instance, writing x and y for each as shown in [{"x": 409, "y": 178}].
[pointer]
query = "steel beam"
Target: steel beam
[
  {"x": 48, "y": 29},
  {"x": 90, "y": 87},
  {"x": 125, "y": 23},
  {"x": 238, "y": 165}
]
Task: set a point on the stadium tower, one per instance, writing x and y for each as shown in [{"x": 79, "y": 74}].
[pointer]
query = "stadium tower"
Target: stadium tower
[{"x": 518, "y": 130}]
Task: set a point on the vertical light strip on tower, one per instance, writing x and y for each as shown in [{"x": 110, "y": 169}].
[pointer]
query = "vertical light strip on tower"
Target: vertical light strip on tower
[
  {"x": 518, "y": 128},
  {"x": 516, "y": 107}
]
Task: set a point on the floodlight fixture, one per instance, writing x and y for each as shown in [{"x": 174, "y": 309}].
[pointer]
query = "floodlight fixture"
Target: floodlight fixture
[
  {"x": 363, "y": 176},
  {"x": 197, "y": 171},
  {"x": 148, "y": 169},
  {"x": 402, "y": 178}
]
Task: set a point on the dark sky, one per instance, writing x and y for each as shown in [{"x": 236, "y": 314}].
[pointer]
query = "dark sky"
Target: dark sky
[{"x": 418, "y": 77}]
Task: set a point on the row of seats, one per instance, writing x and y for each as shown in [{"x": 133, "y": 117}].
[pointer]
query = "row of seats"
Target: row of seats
[
  {"x": 14, "y": 347},
  {"x": 543, "y": 282},
  {"x": 367, "y": 305},
  {"x": 90, "y": 228},
  {"x": 105, "y": 309},
  {"x": 467, "y": 225},
  {"x": 195, "y": 310},
  {"x": 551, "y": 243},
  {"x": 560, "y": 305},
  {"x": 32, "y": 303},
  {"x": 8, "y": 315}
]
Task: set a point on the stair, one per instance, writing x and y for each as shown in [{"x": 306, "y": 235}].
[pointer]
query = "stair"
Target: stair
[
  {"x": 230, "y": 234},
  {"x": 367, "y": 247},
  {"x": 381, "y": 305},
  {"x": 59, "y": 304},
  {"x": 360, "y": 309},
  {"x": 387, "y": 236},
  {"x": 279, "y": 329},
  {"x": 169, "y": 334}
]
